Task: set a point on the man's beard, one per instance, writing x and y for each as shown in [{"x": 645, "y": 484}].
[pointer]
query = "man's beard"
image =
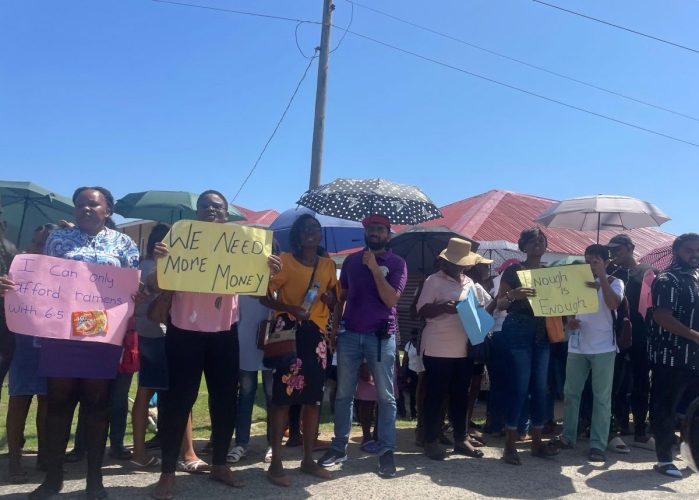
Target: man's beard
[{"x": 375, "y": 245}]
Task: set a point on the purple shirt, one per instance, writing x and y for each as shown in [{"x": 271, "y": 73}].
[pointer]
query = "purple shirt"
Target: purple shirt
[{"x": 364, "y": 310}]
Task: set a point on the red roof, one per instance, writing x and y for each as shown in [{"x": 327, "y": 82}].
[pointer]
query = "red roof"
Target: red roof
[
  {"x": 501, "y": 215},
  {"x": 261, "y": 218}
]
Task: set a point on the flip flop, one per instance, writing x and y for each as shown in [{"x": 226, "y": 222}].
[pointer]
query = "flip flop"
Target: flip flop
[
  {"x": 668, "y": 470},
  {"x": 618, "y": 445},
  {"x": 194, "y": 467},
  {"x": 151, "y": 462}
]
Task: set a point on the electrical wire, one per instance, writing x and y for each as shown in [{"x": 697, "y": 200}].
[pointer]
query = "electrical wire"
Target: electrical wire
[
  {"x": 241, "y": 12},
  {"x": 657, "y": 39},
  {"x": 518, "y": 89},
  {"x": 349, "y": 25},
  {"x": 522, "y": 62},
  {"x": 439, "y": 63},
  {"x": 296, "y": 39},
  {"x": 276, "y": 128}
]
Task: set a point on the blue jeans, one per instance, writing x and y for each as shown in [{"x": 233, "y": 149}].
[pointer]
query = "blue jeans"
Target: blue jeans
[
  {"x": 528, "y": 361},
  {"x": 352, "y": 349},
  {"x": 247, "y": 390}
]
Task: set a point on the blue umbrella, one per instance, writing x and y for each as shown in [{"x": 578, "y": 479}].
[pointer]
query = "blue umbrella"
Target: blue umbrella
[{"x": 338, "y": 234}]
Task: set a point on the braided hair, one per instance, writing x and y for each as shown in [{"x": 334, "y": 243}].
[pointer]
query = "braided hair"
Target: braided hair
[{"x": 677, "y": 245}]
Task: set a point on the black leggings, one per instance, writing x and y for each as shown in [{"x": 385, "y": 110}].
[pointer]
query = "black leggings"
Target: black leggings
[
  {"x": 189, "y": 354},
  {"x": 63, "y": 395},
  {"x": 444, "y": 376}
]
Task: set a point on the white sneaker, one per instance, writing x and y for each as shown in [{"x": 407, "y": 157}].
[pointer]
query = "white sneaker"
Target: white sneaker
[
  {"x": 268, "y": 455},
  {"x": 235, "y": 454}
]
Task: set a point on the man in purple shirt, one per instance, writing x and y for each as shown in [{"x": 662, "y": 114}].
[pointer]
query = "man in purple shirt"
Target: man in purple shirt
[{"x": 372, "y": 281}]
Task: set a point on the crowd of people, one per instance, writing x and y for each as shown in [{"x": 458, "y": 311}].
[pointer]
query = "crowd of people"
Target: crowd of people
[{"x": 645, "y": 330}]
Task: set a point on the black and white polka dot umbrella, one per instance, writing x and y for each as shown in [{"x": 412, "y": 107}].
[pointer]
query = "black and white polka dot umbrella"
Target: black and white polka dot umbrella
[{"x": 355, "y": 199}]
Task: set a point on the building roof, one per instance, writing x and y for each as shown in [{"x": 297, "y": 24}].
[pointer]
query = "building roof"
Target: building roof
[
  {"x": 260, "y": 218},
  {"x": 501, "y": 215}
]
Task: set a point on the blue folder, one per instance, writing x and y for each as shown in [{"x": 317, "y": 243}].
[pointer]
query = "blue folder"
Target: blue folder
[{"x": 476, "y": 320}]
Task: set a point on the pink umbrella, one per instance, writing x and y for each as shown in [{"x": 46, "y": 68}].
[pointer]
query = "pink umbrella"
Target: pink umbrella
[{"x": 659, "y": 258}]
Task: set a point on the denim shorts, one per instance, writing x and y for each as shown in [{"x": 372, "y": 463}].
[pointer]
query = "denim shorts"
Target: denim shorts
[
  {"x": 153, "y": 372},
  {"x": 24, "y": 377}
]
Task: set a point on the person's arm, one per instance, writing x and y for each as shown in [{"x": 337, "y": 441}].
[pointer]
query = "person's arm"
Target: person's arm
[
  {"x": 668, "y": 322},
  {"x": 271, "y": 302},
  {"x": 507, "y": 294},
  {"x": 611, "y": 298},
  {"x": 389, "y": 295},
  {"x": 433, "y": 310}
]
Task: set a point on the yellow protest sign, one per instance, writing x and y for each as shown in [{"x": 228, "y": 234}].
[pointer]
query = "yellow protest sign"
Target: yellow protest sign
[
  {"x": 560, "y": 291},
  {"x": 215, "y": 258}
]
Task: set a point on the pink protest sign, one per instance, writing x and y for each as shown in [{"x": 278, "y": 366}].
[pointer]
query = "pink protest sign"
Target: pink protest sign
[{"x": 70, "y": 300}]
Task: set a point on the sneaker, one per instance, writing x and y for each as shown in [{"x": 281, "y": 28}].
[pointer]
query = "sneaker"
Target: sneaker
[
  {"x": 293, "y": 441},
  {"x": 153, "y": 443},
  {"x": 644, "y": 442},
  {"x": 332, "y": 457},
  {"x": 370, "y": 446},
  {"x": 74, "y": 455},
  {"x": 387, "y": 466},
  {"x": 563, "y": 443},
  {"x": 434, "y": 451}
]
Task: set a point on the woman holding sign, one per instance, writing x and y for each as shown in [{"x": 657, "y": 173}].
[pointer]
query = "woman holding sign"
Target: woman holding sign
[
  {"x": 80, "y": 371},
  {"x": 528, "y": 350},
  {"x": 444, "y": 345},
  {"x": 201, "y": 339},
  {"x": 307, "y": 292}
]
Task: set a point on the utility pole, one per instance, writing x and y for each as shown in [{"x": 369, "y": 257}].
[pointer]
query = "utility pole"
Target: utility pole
[{"x": 321, "y": 90}]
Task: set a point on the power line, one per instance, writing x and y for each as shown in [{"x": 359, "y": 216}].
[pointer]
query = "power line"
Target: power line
[
  {"x": 522, "y": 62},
  {"x": 276, "y": 128},
  {"x": 518, "y": 89},
  {"x": 241, "y": 12},
  {"x": 657, "y": 39},
  {"x": 349, "y": 25},
  {"x": 443, "y": 64}
]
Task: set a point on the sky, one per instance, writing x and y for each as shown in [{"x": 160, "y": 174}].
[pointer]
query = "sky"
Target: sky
[{"x": 137, "y": 95}]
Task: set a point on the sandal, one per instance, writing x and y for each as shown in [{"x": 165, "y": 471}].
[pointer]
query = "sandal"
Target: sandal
[
  {"x": 462, "y": 449},
  {"x": 235, "y": 454},
  {"x": 151, "y": 462},
  {"x": 619, "y": 446},
  {"x": 476, "y": 442},
  {"x": 194, "y": 467},
  {"x": 268, "y": 455},
  {"x": 547, "y": 450},
  {"x": 511, "y": 457},
  {"x": 668, "y": 470}
]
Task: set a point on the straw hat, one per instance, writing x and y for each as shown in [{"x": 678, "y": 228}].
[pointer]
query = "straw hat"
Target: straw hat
[{"x": 459, "y": 253}]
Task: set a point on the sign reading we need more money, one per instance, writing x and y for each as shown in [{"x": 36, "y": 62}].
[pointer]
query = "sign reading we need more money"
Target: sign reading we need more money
[
  {"x": 561, "y": 291},
  {"x": 215, "y": 258},
  {"x": 70, "y": 300}
]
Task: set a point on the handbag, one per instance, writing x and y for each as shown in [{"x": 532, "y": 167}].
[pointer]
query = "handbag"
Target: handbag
[
  {"x": 279, "y": 348},
  {"x": 129, "y": 362},
  {"x": 159, "y": 309},
  {"x": 554, "y": 329}
]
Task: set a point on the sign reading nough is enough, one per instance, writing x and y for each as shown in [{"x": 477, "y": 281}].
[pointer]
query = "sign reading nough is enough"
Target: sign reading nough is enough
[
  {"x": 215, "y": 258},
  {"x": 70, "y": 300},
  {"x": 561, "y": 291}
]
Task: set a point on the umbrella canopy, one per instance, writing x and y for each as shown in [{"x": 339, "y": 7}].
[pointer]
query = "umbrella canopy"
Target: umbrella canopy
[
  {"x": 568, "y": 261},
  {"x": 355, "y": 199},
  {"x": 660, "y": 258},
  {"x": 164, "y": 206},
  {"x": 420, "y": 246},
  {"x": 338, "y": 234},
  {"x": 26, "y": 206},
  {"x": 500, "y": 251},
  {"x": 594, "y": 213}
]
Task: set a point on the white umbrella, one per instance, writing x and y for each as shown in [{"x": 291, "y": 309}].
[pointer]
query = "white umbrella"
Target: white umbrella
[
  {"x": 500, "y": 251},
  {"x": 604, "y": 211}
]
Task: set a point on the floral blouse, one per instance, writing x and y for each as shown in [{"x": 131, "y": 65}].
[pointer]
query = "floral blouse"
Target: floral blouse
[{"x": 106, "y": 247}]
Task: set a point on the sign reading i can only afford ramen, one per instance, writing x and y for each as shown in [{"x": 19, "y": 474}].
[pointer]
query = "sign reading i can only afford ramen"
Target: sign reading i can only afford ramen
[
  {"x": 560, "y": 291},
  {"x": 70, "y": 300},
  {"x": 215, "y": 258}
]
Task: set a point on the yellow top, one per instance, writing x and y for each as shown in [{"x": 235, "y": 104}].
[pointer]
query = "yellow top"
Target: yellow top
[{"x": 292, "y": 284}]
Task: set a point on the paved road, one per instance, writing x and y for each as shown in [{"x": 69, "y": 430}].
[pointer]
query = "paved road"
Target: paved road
[{"x": 569, "y": 474}]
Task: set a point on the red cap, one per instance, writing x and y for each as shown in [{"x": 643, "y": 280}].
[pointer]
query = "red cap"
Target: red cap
[{"x": 376, "y": 219}]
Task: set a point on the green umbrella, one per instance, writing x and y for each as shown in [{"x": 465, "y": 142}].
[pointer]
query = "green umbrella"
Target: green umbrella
[
  {"x": 26, "y": 206},
  {"x": 568, "y": 261},
  {"x": 164, "y": 206}
]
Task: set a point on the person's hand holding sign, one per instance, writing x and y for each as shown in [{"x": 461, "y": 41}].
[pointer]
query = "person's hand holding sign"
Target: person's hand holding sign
[
  {"x": 6, "y": 284},
  {"x": 161, "y": 250},
  {"x": 274, "y": 263},
  {"x": 520, "y": 293}
]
